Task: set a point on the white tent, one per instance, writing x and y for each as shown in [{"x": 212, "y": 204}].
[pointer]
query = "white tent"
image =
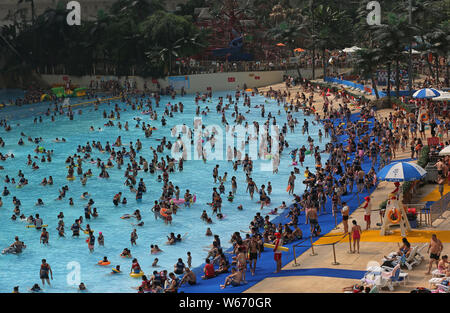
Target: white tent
[
  {"x": 445, "y": 151},
  {"x": 351, "y": 49},
  {"x": 445, "y": 96}
]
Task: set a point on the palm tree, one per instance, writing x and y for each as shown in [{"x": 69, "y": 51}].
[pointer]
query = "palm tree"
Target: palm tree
[
  {"x": 328, "y": 29},
  {"x": 367, "y": 63},
  {"x": 393, "y": 37},
  {"x": 438, "y": 44}
]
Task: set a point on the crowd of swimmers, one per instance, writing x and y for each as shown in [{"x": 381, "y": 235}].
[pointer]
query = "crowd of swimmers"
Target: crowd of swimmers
[{"x": 328, "y": 181}]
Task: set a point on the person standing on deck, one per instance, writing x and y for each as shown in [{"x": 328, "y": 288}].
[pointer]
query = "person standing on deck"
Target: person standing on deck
[
  {"x": 435, "y": 248},
  {"x": 277, "y": 254}
]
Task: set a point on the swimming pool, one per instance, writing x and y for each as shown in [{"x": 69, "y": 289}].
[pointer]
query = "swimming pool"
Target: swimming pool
[{"x": 23, "y": 270}]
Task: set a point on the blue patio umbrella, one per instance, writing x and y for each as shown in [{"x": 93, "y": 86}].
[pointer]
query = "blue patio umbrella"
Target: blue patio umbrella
[
  {"x": 401, "y": 171},
  {"x": 426, "y": 93}
]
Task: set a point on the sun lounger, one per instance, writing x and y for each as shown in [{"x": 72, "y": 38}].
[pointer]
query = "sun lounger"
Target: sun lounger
[
  {"x": 436, "y": 281},
  {"x": 385, "y": 276},
  {"x": 390, "y": 279},
  {"x": 437, "y": 273}
]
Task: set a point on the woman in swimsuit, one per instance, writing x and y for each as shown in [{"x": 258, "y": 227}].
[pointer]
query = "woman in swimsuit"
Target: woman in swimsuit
[{"x": 356, "y": 235}]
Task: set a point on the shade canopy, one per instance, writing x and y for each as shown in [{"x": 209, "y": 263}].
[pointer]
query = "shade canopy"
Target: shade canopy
[
  {"x": 445, "y": 96},
  {"x": 426, "y": 93},
  {"x": 401, "y": 171},
  {"x": 280, "y": 44},
  {"x": 351, "y": 49},
  {"x": 445, "y": 151}
]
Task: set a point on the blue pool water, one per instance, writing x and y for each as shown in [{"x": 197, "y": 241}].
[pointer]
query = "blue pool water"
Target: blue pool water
[{"x": 23, "y": 270}]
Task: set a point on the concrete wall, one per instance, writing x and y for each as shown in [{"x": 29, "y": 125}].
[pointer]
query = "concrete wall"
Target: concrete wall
[{"x": 192, "y": 83}]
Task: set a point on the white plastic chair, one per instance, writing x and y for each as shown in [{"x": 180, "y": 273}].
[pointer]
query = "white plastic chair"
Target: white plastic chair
[{"x": 392, "y": 278}]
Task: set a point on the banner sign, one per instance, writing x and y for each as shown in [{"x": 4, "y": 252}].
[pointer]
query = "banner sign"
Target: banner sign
[
  {"x": 177, "y": 82},
  {"x": 433, "y": 141}
]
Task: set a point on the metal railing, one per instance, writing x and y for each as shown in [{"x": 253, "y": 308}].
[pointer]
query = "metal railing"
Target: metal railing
[
  {"x": 422, "y": 212},
  {"x": 439, "y": 207},
  {"x": 310, "y": 238}
]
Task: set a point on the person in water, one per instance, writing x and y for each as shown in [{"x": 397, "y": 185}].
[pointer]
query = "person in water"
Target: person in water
[{"x": 44, "y": 271}]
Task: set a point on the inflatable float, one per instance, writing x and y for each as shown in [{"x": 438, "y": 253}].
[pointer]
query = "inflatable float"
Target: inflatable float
[
  {"x": 34, "y": 226},
  {"x": 280, "y": 248},
  {"x": 181, "y": 201},
  {"x": 137, "y": 275}
]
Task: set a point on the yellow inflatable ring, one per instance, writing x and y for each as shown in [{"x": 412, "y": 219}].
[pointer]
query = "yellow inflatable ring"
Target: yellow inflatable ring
[
  {"x": 115, "y": 270},
  {"x": 391, "y": 213},
  {"x": 71, "y": 178},
  {"x": 137, "y": 275}
]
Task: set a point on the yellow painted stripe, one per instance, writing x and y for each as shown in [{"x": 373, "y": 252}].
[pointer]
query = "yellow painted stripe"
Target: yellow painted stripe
[
  {"x": 435, "y": 195},
  {"x": 413, "y": 236}
]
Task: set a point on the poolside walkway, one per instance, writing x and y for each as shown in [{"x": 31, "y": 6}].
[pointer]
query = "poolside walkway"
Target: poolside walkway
[{"x": 372, "y": 247}]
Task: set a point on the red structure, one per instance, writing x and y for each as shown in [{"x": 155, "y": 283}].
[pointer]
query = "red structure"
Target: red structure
[{"x": 229, "y": 24}]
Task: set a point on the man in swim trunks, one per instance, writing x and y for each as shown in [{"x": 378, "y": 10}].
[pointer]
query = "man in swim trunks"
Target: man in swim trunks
[
  {"x": 75, "y": 229},
  {"x": 242, "y": 261},
  {"x": 345, "y": 210},
  {"x": 435, "y": 248},
  {"x": 43, "y": 273},
  {"x": 253, "y": 253},
  {"x": 189, "y": 277},
  {"x": 18, "y": 245},
  {"x": 312, "y": 217},
  {"x": 291, "y": 183},
  {"x": 233, "y": 279}
]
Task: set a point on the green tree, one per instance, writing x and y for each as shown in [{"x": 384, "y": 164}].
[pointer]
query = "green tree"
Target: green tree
[
  {"x": 173, "y": 35},
  {"x": 367, "y": 61}
]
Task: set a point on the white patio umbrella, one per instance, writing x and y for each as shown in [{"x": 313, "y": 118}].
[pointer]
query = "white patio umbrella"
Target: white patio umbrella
[
  {"x": 445, "y": 96},
  {"x": 401, "y": 171},
  {"x": 445, "y": 151},
  {"x": 351, "y": 49}
]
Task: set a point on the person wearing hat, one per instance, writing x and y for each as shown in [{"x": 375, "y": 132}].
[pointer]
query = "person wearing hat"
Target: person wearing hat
[
  {"x": 277, "y": 254},
  {"x": 101, "y": 239},
  {"x": 368, "y": 209}
]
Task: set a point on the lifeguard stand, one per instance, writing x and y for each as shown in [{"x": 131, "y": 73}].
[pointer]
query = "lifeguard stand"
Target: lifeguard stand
[{"x": 394, "y": 207}]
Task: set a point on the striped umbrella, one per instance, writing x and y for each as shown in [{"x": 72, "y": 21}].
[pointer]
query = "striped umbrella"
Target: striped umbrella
[
  {"x": 401, "y": 171},
  {"x": 426, "y": 93}
]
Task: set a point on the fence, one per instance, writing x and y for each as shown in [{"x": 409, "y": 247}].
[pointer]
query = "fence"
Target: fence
[
  {"x": 439, "y": 207},
  {"x": 401, "y": 93},
  {"x": 310, "y": 238},
  {"x": 196, "y": 67}
]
